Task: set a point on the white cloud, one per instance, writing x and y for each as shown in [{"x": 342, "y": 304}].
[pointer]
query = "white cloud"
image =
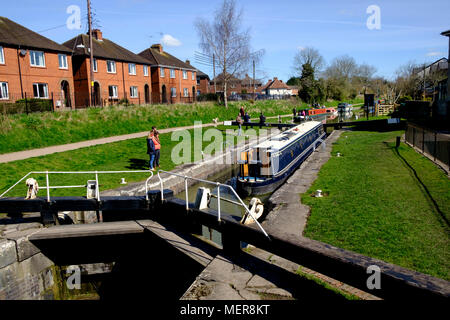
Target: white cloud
[
  {"x": 434, "y": 54},
  {"x": 169, "y": 41}
]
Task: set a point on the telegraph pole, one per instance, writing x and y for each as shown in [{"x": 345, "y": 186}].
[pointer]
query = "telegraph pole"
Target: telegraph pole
[
  {"x": 91, "y": 54},
  {"x": 214, "y": 73},
  {"x": 253, "y": 79}
]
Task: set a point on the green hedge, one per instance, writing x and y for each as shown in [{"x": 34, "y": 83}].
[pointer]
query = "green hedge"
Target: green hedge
[{"x": 26, "y": 105}]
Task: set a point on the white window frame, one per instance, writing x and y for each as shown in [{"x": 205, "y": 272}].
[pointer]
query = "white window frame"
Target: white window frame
[
  {"x": 95, "y": 65},
  {"x": 113, "y": 64},
  {"x": 132, "y": 69},
  {"x": 45, "y": 85},
  {"x": 33, "y": 58},
  {"x": 173, "y": 92},
  {"x": 2, "y": 55},
  {"x": 134, "y": 88},
  {"x": 4, "y": 86},
  {"x": 185, "y": 74},
  {"x": 115, "y": 92},
  {"x": 161, "y": 70},
  {"x": 145, "y": 69},
  {"x": 193, "y": 75},
  {"x": 186, "y": 92},
  {"x": 64, "y": 56},
  {"x": 172, "y": 72}
]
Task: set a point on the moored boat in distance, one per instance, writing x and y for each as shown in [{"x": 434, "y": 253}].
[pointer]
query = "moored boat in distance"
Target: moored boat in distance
[
  {"x": 264, "y": 167},
  {"x": 344, "y": 107}
]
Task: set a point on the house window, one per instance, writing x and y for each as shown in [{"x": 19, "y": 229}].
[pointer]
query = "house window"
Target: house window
[
  {"x": 193, "y": 75},
  {"x": 40, "y": 90},
  {"x": 172, "y": 73},
  {"x": 145, "y": 71},
  {"x": 173, "y": 92},
  {"x": 111, "y": 66},
  {"x": 184, "y": 74},
  {"x": 113, "y": 92},
  {"x": 198, "y": 81},
  {"x": 162, "y": 72},
  {"x": 2, "y": 57},
  {"x": 133, "y": 92},
  {"x": 132, "y": 69},
  {"x": 186, "y": 92},
  {"x": 4, "y": 90},
  {"x": 95, "y": 65},
  {"x": 37, "y": 59},
  {"x": 62, "y": 58},
  {"x": 199, "y": 92}
]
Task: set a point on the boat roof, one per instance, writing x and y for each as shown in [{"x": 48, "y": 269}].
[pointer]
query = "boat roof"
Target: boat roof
[{"x": 281, "y": 140}]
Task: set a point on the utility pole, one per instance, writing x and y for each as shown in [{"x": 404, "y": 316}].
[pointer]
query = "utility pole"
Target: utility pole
[
  {"x": 424, "y": 97},
  {"x": 253, "y": 79},
  {"x": 91, "y": 53},
  {"x": 214, "y": 72}
]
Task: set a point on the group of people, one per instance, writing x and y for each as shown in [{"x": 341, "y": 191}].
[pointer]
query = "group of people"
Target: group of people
[
  {"x": 244, "y": 117},
  {"x": 299, "y": 113},
  {"x": 153, "y": 148}
]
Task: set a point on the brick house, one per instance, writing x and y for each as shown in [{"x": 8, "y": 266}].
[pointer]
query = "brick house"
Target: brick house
[
  {"x": 34, "y": 66},
  {"x": 118, "y": 73},
  {"x": 173, "y": 80},
  {"x": 203, "y": 85},
  {"x": 234, "y": 85},
  {"x": 247, "y": 85},
  {"x": 276, "y": 87}
]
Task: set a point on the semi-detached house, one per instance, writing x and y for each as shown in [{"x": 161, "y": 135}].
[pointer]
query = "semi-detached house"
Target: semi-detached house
[
  {"x": 173, "y": 80},
  {"x": 33, "y": 66},
  {"x": 118, "y": 73}
]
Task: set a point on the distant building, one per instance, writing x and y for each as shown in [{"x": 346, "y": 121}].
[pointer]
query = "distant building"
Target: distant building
[
  {"x": 172, "y": 79},
  {"x": 276, "y": 87},
  {"x": 33, "y": 66},
  {"x": 118, "y": 73},
  {"x": 203, "y": 83},
  {"x": 443, "y": 104},
  {"x": 233, "y": 85}
]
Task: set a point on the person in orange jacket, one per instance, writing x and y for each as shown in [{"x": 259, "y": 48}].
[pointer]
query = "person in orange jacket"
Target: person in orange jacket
[{"x": 157, "y": 144}]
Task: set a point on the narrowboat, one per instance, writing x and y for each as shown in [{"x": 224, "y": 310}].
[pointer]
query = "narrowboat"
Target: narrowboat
[
  {"x": 264, "y": 167},
  {"x": 314, "y": 112}
]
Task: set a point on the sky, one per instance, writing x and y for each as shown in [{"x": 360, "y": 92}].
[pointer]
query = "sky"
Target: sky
[{"x": 409, "y": 30}]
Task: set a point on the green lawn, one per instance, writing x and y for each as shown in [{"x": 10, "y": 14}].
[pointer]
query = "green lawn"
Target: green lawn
[
  {"x": 22, "y": 132},
  {"x": 124, "y": 155},
  {"x": 375, "y": 205}
]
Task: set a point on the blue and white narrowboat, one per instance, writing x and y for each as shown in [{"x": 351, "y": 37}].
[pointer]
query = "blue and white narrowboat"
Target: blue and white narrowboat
[{"x": 264, "y": 167}]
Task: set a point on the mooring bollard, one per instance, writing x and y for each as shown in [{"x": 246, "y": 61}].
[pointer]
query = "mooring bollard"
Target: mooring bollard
[{"x": 397, "y": 142}]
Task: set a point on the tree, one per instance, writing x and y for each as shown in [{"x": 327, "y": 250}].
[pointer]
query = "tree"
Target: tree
[
  {"x": 309, "y": 56},
  {"x": 364, "y": 74},
  {"x": 224, "y": 40},
  {"x": 307, "y": 91},
  {"x": 343, "y": 67}
]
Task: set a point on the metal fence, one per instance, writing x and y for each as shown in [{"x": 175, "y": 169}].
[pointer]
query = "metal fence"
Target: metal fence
[{"x": 434, "y": 144}]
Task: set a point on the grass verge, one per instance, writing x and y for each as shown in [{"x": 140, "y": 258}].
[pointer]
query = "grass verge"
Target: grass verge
[
  {"x": 124, "y": 155},
  {"x": 387, "y": 204},
  {"x": 23, "y": 132}
]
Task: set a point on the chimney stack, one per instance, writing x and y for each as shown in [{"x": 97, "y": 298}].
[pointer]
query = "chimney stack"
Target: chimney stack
[
  {"x": 97, "y": 34},
  {"x": 158, "y": 47},
  {"x": 188, "y": 62}
]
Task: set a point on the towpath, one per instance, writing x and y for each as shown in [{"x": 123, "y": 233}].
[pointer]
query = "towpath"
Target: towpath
[{"x": 21, "y": 155}]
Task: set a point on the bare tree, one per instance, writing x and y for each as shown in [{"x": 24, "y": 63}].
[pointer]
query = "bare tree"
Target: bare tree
[
  {"x": 224, "y": 40},
  {"x": 309, "y": 56},
  {"x": 343, "y": 67},
  {"x": 364, "y": 74}
]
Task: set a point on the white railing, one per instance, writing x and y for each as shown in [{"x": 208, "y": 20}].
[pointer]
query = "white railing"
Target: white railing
[
  {"x": 218, "y": 185},
  {"x": 97, "y": 194}
]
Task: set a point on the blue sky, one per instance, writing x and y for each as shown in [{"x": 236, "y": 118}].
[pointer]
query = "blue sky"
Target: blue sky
[{"x": 410, "y": 30}]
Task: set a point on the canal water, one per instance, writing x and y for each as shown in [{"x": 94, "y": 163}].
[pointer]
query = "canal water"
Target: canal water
[
  {"x": 229, "y": 209},
  {"x": 228, "y": 176}
]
